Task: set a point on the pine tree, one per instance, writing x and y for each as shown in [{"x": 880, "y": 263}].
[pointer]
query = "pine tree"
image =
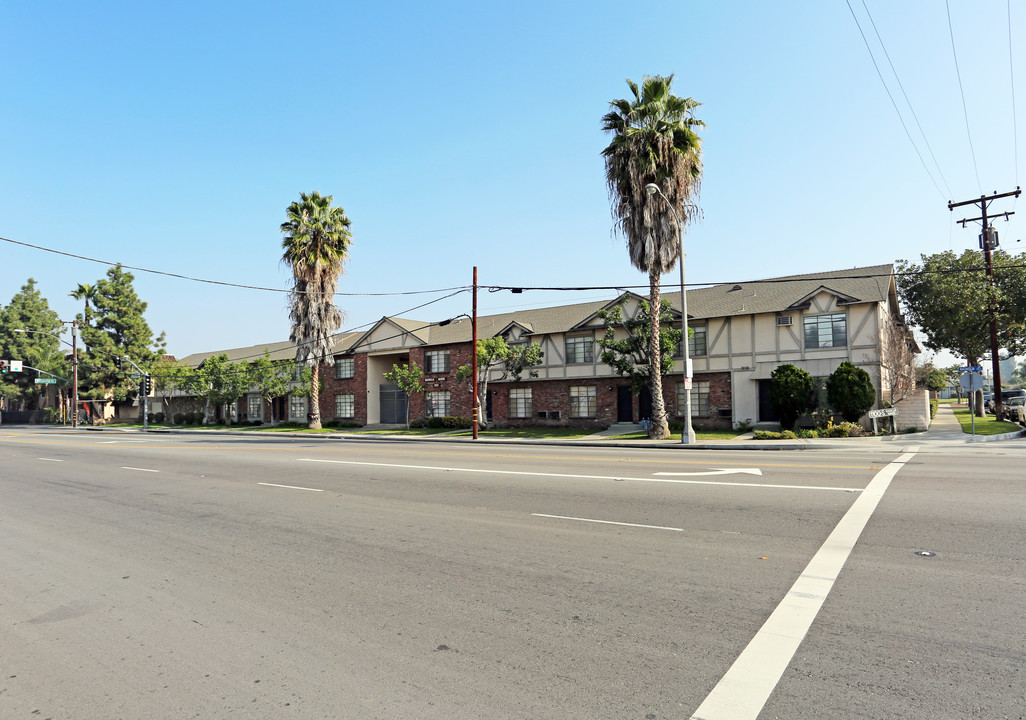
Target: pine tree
[
  {"x": 113, "y": 327},
  {"x": 38, "y": 345}
]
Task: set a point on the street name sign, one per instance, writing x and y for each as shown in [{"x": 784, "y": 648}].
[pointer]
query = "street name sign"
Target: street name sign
[
  {"x": 45, "y": 381},
  {"x": 885, "y": 412},
  {"x": 971, "y": 368}
]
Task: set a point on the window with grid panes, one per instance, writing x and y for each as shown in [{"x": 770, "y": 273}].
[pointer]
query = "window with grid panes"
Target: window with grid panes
[
  {"x": 254, "y": 407},
  {"x": 344, "y": 368},
  {"x": 826, "y": 331},
  {"x": 345, "y": 406},
  {"x": 579, "y": 349},
  {"x": 699, "y": 399},
  {"x": 436, "y": 361},
  {"x": 297, "y": 407},
  {"x": 696, "y": 343},
  {"x": 437, "y": 403},
  {"x": 520, "y": 402},
  {"x": 583, "y": 401}
]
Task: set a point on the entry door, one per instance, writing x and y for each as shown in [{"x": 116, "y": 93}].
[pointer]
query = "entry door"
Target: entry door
[
  {"x": 393, "y": 404},
  {"x": 645, "y": 404},
  {"x": 766, "y": 411},
  {"x": 624, "y": 404}
]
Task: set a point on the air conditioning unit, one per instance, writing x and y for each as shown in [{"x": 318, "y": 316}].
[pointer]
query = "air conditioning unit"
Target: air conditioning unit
[{"x": 783, "y": 320}]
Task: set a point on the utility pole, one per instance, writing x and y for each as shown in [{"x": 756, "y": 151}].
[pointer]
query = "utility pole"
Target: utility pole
[
  {"x": 988, "y": 241},
  {"x": 473, "y": 362}
]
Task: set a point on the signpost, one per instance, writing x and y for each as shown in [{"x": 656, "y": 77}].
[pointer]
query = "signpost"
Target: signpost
[
  {"x": 971, "y": 380},
  {"x": 890, "y": 412}
]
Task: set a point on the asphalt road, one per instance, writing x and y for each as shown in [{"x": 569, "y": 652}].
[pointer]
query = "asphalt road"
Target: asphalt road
[{"x": 182, "y": 576}]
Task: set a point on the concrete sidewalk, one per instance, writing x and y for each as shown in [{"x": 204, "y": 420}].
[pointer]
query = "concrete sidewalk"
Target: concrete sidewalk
[{"x": 944, "y": 432}]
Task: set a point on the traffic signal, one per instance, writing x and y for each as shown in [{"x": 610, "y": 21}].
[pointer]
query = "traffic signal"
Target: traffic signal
[
  {"x": 5, "y": 366},
  {"x": 147, "y": 384},
  {"x": 117, "y": 363}
]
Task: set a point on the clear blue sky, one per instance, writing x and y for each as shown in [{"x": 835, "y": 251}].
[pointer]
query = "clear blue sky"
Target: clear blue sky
[{"x": 173, "y": 136}]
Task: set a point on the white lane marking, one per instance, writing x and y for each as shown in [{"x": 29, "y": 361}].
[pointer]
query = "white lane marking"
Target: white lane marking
[
  {"x": 743, "y": 691},
  {"x": 49, "y": 459},
  {"x": 291, "y": 487},
  {"x": 607, "y": 522},
  {"x": 125, "y": 467},
  {"x": 577, "y": 477},
  {"x": 717, "y": 471}
]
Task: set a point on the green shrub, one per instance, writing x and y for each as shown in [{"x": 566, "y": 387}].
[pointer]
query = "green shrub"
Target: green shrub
[
  {"x": 449, "y": 422},
  {"x": 842, "y": 430},
  {"x": 770, "y": 435},
  {"x": 179, "y": 418},
  {"x": 850, "y": 390},
  {"x": 933, "y": 408},
  {"x": 157, "y": 417},
  {"x": 807, "y": 433},
  {"x": 790, "y": 393}
]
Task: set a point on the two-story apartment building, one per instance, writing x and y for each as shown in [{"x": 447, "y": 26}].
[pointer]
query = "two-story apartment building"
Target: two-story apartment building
[{"x": 741, "y": 333}]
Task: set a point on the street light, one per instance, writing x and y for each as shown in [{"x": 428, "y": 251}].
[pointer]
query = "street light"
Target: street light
[
  {"x": 74, "y": 361},
  {"x": 687, "y": 436}
]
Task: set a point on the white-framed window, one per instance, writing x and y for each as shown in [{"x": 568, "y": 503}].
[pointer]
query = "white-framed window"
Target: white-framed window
[
  {"x": 583, "y": 401},
  {"x": 297, "y": 407},
  {"x": 436, "y": 361},
  {"x": 579, "y": 349},
  {"x": 345, "y": 367},
  {"x": 699, "y": 399},
  {"x": 254, "y": 407},
  {"x": 520, "y": 402},
  {"x": 826, "y": 331},
  {"x": 297, "y": 371},
  {"x": 437, "y": 403},
  {"x": 345, "y": 406}
]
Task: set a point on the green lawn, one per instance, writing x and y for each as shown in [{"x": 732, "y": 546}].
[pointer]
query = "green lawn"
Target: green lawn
[{"x": 985, "y": 425}]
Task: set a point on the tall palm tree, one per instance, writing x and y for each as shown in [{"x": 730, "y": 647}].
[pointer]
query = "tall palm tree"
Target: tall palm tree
[
  {"x": 86, "y": 292},
  {"x": 316, "y": 246},
  {"x": 654, "y": 141}
]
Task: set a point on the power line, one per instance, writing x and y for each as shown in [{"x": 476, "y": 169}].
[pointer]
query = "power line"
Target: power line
[
  {"x": 220, "y": 282},
  {"x": 907, "y": 101},
  {"x": 893, "y": 103},
  {"x": 965, "y": 110},
  {"x": 1011, "y": 75}
]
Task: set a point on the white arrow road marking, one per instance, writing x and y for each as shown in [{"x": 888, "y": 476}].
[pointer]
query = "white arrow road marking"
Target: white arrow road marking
[
  {"x": 607, "y": 522},
  {"x": 490, "y": 471},
  {"x": 716, "y": 471},
  {"x": 291, "y": 487}
]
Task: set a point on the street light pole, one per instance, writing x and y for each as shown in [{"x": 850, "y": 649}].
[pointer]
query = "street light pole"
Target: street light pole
[{"x": 687, "y": 436}]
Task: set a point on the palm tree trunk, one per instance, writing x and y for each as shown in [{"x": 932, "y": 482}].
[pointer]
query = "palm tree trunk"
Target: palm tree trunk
[
  {"x": 315, "y": 405},
  {"x": 659, "y": 428}
]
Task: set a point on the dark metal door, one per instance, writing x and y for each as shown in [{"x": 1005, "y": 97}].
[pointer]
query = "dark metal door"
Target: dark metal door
[
  {"x": 766, "y": 411},
  {"x": 645, "y": 404},
  {"x": 624, "y": 404},
  {"x": 393, "y": 404}
]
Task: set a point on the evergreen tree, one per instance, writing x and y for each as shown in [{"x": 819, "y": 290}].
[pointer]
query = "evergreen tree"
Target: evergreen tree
[
  {"x": 112, "y": 327},
  {"x": 37, "y": 345},
  {"x": 850, "y": 391},
  {"x": 790, "y": 393}
]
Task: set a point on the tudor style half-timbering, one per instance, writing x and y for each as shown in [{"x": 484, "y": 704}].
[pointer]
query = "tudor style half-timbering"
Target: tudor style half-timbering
[{"x": 741, "y": 333}]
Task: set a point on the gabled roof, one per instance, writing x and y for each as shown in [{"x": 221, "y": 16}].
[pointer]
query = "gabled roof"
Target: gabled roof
[
  {"x": 285, "y": 350},
  {"x": 863, "y": 284}
]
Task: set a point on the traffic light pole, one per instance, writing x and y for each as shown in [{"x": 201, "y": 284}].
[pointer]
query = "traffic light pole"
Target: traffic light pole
[{"x": 144, "y": 392}]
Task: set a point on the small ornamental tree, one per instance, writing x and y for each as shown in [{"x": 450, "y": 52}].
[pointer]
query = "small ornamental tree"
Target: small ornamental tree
[
  {"x": 270, "y": 378},
  {"x": 850, "y": 391},
  {"x": 508, "y": 361},
  {"x": 790, "y": 393},
  {"x": 630, "y": 356},
  {"x": 407, "y": 378}
]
